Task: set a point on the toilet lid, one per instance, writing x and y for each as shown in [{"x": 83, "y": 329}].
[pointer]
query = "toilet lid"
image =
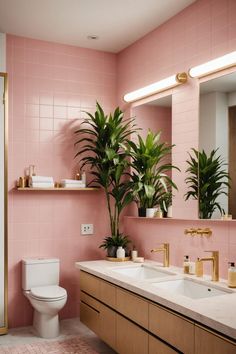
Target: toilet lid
[{"x": 48, "y": 292}]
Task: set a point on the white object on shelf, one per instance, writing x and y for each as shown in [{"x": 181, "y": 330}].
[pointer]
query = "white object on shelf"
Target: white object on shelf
[
  {"x": 42, "y": 185},
  {"x": 83, "y": 178},
  {"x": 150, "y": 212}
]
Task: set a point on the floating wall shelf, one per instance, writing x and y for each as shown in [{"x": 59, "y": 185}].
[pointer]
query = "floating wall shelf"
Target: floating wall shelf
[{"x": 27, "y": 189}]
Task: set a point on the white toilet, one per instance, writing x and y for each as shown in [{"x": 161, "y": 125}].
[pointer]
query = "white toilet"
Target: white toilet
[{"x": 40, "y": 283}]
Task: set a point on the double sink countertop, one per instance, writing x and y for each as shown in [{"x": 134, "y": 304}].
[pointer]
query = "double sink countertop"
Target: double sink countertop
[{"x": 217, "y": 311}]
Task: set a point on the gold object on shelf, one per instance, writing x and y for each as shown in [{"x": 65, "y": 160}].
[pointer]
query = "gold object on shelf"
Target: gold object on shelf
[
  {"x": 166, "y": 252},
  {"x": 215, "y": 264},
  {"x": 22, "y": 182},
  {"x": 113, "y": 259},
  {"x": 198, "y": 231}
]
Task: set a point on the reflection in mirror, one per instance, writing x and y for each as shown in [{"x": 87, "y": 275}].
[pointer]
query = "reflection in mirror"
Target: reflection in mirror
[
  {"x": 155, "y": 116},
  {"x": 217, "y": 130}
]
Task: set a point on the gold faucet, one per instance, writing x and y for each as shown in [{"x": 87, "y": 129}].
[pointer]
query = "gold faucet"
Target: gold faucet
[
  {"x": 166, "y": 251},
  {"x": 215, "y": 264}
]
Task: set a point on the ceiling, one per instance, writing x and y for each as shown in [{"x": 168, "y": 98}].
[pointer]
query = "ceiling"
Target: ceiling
[{"x": 117, "y": 23}]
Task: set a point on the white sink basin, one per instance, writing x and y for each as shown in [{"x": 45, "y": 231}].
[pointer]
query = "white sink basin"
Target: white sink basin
[
  {"x": 190, "y": 288},
  {"x": 142, "y": 272}
]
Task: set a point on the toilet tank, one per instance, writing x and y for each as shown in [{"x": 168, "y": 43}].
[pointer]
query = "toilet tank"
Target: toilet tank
[{"x": 40, "y": 272}]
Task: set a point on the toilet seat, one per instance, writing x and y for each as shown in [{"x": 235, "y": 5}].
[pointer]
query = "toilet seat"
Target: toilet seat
[{"x": 48, "y": 293}]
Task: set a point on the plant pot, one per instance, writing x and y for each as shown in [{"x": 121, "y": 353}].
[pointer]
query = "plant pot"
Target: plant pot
[
  {"x": 165, "y": 213},
  {"x": 169, "y": 212},
  {"x": 142, "y": 212},
  {"x": 150, "y": 212},
  {"x": 111, "y": 251}
]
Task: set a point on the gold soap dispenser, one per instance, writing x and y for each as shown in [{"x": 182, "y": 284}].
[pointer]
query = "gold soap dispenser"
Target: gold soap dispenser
[{"x": 232, "y": 275}]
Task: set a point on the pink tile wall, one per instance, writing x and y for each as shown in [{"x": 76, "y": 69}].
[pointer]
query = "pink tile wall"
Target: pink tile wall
[
  {"x": 49, "y": 87},
  {"x": 149, "y": 234},
  {"x": 203, "y": 31},
  {"x": 154, "y": 118}
]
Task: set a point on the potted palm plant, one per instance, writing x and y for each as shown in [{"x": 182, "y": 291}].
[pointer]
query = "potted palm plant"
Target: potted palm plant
[
  {"x": 149, "y": 170},
  {"x": 103, "y": 146},
  {"x": 165, "y": 203},
  {"x": 207, "y": 180}
]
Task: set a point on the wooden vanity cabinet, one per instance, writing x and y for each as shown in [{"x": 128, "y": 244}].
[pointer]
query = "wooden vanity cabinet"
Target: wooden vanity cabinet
[
  {"x": 93, "y": 313},
  {"x": 172, "y": 328},
  {"x": 207, "y": 342},
  {"x": 131, "y": 324},
  {"x": 130, "y": 338},
  {"x": 132, "y": 306},
  {"x": 90, "y": 312},
  {"x": 107, "y": 326},
  {"x": 157, "y": 346}
]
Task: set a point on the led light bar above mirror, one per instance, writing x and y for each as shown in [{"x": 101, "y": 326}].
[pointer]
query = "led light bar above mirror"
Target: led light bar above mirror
[
  {"x": 158, "y": 86},
  {"x": 214, "y": 65}
]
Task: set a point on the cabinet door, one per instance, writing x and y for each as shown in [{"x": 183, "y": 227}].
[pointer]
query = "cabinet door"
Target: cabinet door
[
  {"x": 130, "y": 339},
  {"x": 108, "y": 293},
  {"x": 90, "y": 284},
  {"x": 90, "y": 317},
  {"x": 156, "y": 346},
  {"x": 133, "y": 307},
  {"x": 172, "y": 328},
  {"x": 108, "y": 326},
  {"x": 208, "y": 343}
]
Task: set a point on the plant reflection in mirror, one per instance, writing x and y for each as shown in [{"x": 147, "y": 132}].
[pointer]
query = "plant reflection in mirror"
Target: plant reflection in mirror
[
  {"x": 149, "y": 178},
  {"x": 207, "y": 181}
]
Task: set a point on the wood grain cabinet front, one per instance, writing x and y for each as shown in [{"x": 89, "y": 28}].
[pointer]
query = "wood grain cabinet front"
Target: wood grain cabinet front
[
  {"x": 98, "y": 288},
  {"x": 173, "y": 329},
  {"x": 132, "y": 306},
  {"x": 90, "y": 284},
  {"x": 207, "y": 342},
  {"x": 90, "y": 312},
  {"x": 130, "y": 339},
  {"x": 158, "y": 347},
  {"x": 107, "y": 324}
]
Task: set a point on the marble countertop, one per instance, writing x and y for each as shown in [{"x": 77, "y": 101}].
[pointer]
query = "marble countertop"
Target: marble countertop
[{"x": 216, "y": 312}]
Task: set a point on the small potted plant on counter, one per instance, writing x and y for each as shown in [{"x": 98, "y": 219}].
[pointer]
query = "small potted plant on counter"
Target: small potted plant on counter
[
  {"x": 111, "y": 244},
  {"x": 150, "y": 165}
]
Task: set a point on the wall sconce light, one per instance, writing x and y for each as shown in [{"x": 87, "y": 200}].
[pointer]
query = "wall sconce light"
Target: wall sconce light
[
  {"x": 211, "y": 66},
  {"x": 158, "y": 86}
]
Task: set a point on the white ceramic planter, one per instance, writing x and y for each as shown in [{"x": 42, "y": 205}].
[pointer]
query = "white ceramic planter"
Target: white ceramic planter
[{"x": 150, "y": 212}]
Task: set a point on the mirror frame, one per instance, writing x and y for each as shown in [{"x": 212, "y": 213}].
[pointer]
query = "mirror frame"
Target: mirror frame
[{"x": 4, "y": 329}]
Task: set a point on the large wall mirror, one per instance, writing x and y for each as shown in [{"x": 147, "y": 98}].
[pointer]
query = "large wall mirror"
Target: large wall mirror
[
  {"x": 217, "y": 130},
  {"x": 3, "y": 203},
  {"x": 155, "y": 115}
]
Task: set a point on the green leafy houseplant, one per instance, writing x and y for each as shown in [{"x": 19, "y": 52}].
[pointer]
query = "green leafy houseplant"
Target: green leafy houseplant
[
  {"x": 150, "y": 167},
  {"x": 103, "y": 146},
  {"x": 207, "y": 180},
  {"x": 111, "y": 243},
  {"x": 166, "y": 201}
]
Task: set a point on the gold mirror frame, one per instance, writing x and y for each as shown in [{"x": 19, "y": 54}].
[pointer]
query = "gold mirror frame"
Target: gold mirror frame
[{"x": 4, "y": 329}]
